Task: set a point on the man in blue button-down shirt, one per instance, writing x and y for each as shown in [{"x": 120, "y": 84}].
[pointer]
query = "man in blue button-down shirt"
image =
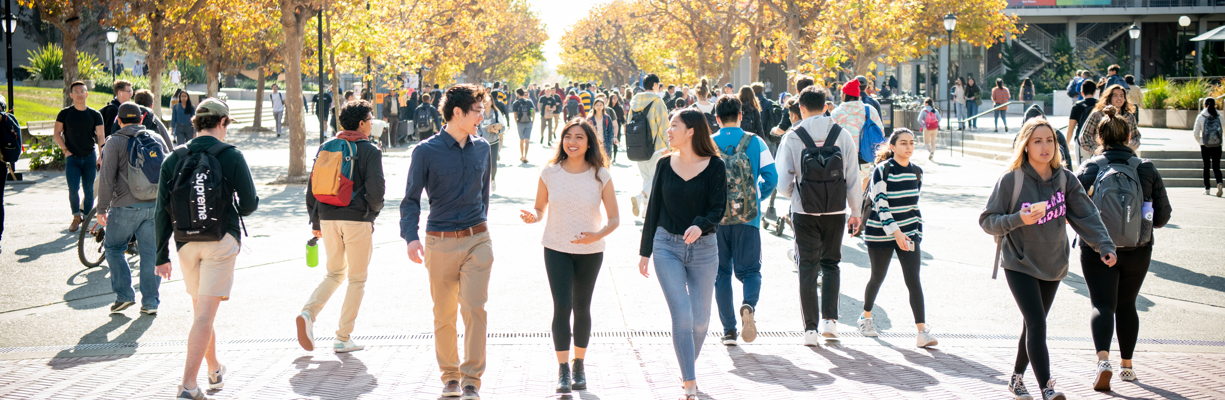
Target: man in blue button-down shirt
[{"x": 453, "y": 168}]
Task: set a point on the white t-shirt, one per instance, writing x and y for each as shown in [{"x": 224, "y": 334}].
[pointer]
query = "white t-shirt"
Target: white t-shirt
[
  {"x": 574, "y": 208},
  {"x": 175, "y": 76},
  {"x": 278, "y": 102}
]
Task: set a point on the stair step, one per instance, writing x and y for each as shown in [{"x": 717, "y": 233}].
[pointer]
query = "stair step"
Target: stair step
[
  {"x": 1167, "y": 173},
  {"x": 1183, "y": 182},
  {"x": 1163, "y": 164},
  {"x": 1170, "y": 154}
]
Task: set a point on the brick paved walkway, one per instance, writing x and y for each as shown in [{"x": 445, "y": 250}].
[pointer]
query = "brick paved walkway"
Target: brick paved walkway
[{"x": 646, "y": 369}]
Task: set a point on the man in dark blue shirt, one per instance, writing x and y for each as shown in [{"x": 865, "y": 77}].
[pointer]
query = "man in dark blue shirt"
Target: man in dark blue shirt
[
  {"x": 453, "y": 168},
  {"x": 867, "y": 87}
]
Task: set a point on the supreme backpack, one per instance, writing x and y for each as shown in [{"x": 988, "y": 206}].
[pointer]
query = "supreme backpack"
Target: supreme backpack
[
  {"x": 930, "y": 121},
  {"x": 870, "y": 137},
  {"x": 639, "y": 138},
  {"x": 332, "y": 176},
  {"x": 821, "y": 181},
  {"x": 424, "y": 120},
  {"x": 10, "y": 139},
  {"x": 741, "y": 185},
  {"x": 573, "y": 108},
  {"x": 1212, "y": 131},
  {"x": 1119, "y": 197},
  {"x": 145, "y": 157},
  {"x": 199, "y": 199}
]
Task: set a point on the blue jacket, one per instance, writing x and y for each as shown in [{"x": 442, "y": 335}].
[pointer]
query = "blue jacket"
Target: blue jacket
[{"x": 759, "y": 156}]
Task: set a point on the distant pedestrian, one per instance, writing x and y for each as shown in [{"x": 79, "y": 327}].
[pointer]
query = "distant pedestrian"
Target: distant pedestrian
[
  {"x": 1000, "y": 96},
  {"x": 959, "y": 101},
  {"x": 605, "y": 125},
  {"x": 649, "y": 102},
  {"x": 278, "y": 107},
  {"x": 180, "y": 117},
  {"x": 1113, "y": 288},
  {"x": 176, "y": 77},
  {"x": 492, "y": 129},
  {"x": 1113, "y": 78},
  {"x": 546, "y": 104},
  {"x": 1113, "y": 96},
  {"x": 138, "y": 70},
  {"x": 1027, "y": 92},
  {"x": 453, "y": 169},
  {"x": 687, "y": 203},
  {"x": 1208, "y": 125},
  {"x": 125, "y": 207},
  {"x": 750, "y": 112},
  {"x": 144, "y": 99},
  {"x": 207, "y": 255},
  {"x": 345, "y": 225},
  {"x": 571, "y": 188},
  {"x": 77, "y": 129},
  {"x": 972, "y": 93},
  {"x": 426, "y": 119},
  {"x": 617, "y": 107},
  {"x": 895, "y": 225},
  {"x": 1045, "y": 198},
  {"x": 866, "y": 90},
  {"x": 768, "y": 88},
  {"x": 524, "y": 111},
  {"x": 929, "y": 122},
  {"x": 391, "y": 115}
]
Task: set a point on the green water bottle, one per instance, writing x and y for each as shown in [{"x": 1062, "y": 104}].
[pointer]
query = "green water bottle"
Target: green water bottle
[{"x": 312, "y": 252}]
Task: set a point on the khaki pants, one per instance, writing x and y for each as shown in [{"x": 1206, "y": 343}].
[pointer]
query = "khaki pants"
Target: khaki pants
[
  {"x": 208, "y": 267},
  {"x": 459, "y": 276},
  {"x": 348, "y": 248}
]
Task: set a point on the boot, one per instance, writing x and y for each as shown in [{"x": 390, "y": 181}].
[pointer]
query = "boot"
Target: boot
[
  {"x": 563, "y": 378},
  {"x": 76, "y": 223},
  {"x": 580, "y": 376}
]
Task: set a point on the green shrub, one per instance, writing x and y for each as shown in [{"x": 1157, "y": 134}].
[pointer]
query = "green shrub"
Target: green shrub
[
  {"x": 46, "y": 62},
  {"x": 1186, "y": 96},
  {"x": 45, "y": 156},
  {"x": 88, "y": 66},
  {"x": 1156, "y": 93},
  {"x": 106, "y": 85}
]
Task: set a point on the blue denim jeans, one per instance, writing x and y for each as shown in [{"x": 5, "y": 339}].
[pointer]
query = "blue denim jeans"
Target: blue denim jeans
[
  {"x": 739, "y": 253},
  {"x": 80, "y": 171},
  {"x": 972, "y": 110},
  {"x": 121, "y": 224},
  {"x": 687, "y": 276}
]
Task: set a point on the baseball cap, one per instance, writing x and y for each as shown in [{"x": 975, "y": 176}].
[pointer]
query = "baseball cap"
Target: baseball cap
[
  {"x": 863, "y": 81},
  {"x": 728, "y": 85},
  {"x": 213, "y": 107},
  {"x": 129, "y": 112}
]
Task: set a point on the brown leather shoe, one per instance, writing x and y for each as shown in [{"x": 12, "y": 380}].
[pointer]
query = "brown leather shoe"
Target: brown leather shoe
[{"x": 76, "y": 223}]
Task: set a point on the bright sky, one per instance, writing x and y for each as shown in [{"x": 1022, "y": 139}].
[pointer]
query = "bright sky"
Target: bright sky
[{"x": 557, "y": 16}]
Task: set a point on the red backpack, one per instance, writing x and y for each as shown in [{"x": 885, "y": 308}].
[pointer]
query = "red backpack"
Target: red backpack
[{"x": 930, "y": 121}]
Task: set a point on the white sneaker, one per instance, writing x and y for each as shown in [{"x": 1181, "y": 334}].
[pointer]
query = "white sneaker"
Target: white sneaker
[
  {"x": 216, "y": 379},
  {"x": 866, "y": 328},
  {"x": 306, "y": 331},
  {"x": 1207, "y": 192},
  {"x": 346, "y": 347},
  {"x": 1050, "y": 394},
  {"x": 1127, "y": 374},
  {"x": 493, "y": 186},
  {"x": 1101, "y": 380},
  {"x": 1016, "y": 386},
  {"x": 829, "y": 329},
  {"x": 925, "y": 338},
  {"x": 810, "y": 338}
]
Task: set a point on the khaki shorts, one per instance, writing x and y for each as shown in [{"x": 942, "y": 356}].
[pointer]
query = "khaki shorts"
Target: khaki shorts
[{"x": 208, "y": 267}]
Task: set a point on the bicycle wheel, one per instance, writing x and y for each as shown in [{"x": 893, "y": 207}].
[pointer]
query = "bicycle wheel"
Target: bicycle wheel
[{"x": 89, "y": 242}]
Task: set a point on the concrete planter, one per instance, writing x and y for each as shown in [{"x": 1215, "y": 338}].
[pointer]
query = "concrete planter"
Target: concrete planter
[
  {"x": 1180, "y": 119},
  {"x": 1151, "y": 118}
]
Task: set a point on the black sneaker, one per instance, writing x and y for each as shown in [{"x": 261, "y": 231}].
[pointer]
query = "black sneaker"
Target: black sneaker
[
  {"x": 729, "y": 338},
  {"x": 563, "y": 378},
  {"x": 119, "y": 306}
]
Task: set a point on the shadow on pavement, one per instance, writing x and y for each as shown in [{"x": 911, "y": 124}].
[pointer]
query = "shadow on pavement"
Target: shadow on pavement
[
  {"x": 775, "y": 370},
  {"x": 96, "y": 283},
  {"x": 1077, "y": 283},
  {"x": 99, "y": 335},
  {"x": 67, "y": 241},
  {"x": 344, "y": 379},
  {"x": 1182, "y": 275},
  {"x": 881, "y": 372},
  {"x": 939, "y": 361}
]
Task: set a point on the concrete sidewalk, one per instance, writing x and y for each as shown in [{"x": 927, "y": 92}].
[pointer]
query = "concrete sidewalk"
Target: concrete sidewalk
[{"x": 638, "y": 368}]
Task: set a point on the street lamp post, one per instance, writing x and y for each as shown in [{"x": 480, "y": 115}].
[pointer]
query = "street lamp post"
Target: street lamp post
[
  {"x": 10, "y": 26},
  {"x": 1184, "y": 21},
  {"x": 319, "y": 89},
  {"x": 112, "y": 36},
  {"x": 1134, "y": 32},
  {"x": 950, "y": 23}
]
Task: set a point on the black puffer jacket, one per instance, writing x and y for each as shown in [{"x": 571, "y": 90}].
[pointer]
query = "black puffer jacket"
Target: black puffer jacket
[
  {"x": 369, "y": 187},
  {"x": 1150, "y": 182}
]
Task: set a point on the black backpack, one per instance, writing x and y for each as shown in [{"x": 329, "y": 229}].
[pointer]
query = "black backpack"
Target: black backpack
[
  {"x": 1212, "y": 131},
  {"x": 199, "y": 203},
  {"x": 821, "y": 183},
  {"x": 710, "y": 118},
  {"x": 639, "y": 138},
  {"x": 424, "y": 120},
  {"x": 771, "y": 114},
  {"x": 573, "y": 108},
  {"x": 10, "y": 140},
  {"x": 523, "y": 111}
]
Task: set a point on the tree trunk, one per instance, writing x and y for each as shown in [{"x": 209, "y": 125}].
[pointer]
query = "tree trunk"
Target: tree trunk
[
  {"x": 212, "y": 66},
  {"x": 294, "y": 25},
  {"x": 754, "y": 62},
  {"x": 156, "y": 59},
  {"x": 259, "y": 96},
  {"x": 71, "y": 31}
]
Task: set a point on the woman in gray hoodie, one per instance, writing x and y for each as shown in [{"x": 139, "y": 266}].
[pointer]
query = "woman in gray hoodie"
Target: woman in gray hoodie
[{"x": 1027, "y": 210}]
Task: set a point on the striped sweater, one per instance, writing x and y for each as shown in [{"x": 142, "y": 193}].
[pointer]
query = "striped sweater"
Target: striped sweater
[{"x": 895, "y": 204}]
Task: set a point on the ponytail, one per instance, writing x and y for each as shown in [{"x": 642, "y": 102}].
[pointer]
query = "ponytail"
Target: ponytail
[{"x": 884, "y": 152}]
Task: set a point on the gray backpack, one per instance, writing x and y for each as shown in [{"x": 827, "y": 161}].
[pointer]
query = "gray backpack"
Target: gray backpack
[
  {"x": 1212, "y": 131},
  {"x": 1119, "y": 198}
]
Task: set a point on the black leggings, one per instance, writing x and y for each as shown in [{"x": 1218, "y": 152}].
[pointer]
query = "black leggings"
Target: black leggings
[
  {"x": 1212, "y": 159},
  {"x": 572, "y": 281},
  {"x": 1034, "y": 297},
  {"x": 910, "y": 260},
  {"x": 1113, "y": 291}
]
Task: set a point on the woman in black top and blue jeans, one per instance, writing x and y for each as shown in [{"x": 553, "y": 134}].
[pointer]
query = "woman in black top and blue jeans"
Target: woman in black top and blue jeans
[
  {"x": 679, "y": 231},
  {"x": 1113, "y": 290}
]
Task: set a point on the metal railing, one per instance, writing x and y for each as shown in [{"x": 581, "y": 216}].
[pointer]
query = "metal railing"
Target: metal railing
[{"x": 962, "y": 125}]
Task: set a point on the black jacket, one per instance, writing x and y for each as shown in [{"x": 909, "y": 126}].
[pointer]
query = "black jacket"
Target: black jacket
[
  {"x": 1150, "y": 182},
  {"x": 751, "y": 121},
  {"x": 111, "y": 110},
  {"x": 368, "y": 189}
]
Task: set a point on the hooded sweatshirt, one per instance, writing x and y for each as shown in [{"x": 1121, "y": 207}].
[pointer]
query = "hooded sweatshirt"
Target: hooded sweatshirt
[
  {"x": 369, "y": 187},
  {"x": 1041, "y": 250},
  {"x": 790, "y": 152},
  {"x": 113, "y": 189}
]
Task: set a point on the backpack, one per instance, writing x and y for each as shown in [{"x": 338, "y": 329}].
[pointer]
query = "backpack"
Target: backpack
[
  {"x": 930, "y": 121},
  {"x": 332, "y": 175},
  {"x": 523, "y": 111},
  {"x": 145, "y": 157},
  {"x": 639, "y": 138},
  {"x": 1018, "y": 178},
  {"x": 1119, "y": 197},
  {"x": 821, "y": 183},
  {"x": 771, "y": 114},
  {"x": 199, "y": 199},
  {"x": 1212, "y": 131},
  {"x": 871, "y": 137},
  {"x": 1074, "y": 88},
  {"x": 710, "y": 119},
  {"x": 573, "y": 108},
  {"x": 741, "y": 185},
  {"x": 424, "y": 120},
  {"x": 10, "y": 139}
]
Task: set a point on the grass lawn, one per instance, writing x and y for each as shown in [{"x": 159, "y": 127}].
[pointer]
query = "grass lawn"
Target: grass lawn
[{"x": 43, "y": 104}]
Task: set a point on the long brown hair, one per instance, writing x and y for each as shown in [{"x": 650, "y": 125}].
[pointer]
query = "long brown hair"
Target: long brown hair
[
  {"x": 1105, "y": 100},
  {"x": 1112, "y": 129},
  {"x": 703, "y": 144},
  {"x": 1019, "y": 156},
  {"x": 748, "y": 99},
  {"x": 595, "y": 152}
]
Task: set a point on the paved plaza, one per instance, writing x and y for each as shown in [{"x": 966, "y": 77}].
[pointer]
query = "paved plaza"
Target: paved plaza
[{"x": 60, "y": 342}]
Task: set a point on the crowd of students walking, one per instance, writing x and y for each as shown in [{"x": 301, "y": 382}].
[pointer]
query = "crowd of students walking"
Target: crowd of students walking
[{"x": 708, "y": 163}]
